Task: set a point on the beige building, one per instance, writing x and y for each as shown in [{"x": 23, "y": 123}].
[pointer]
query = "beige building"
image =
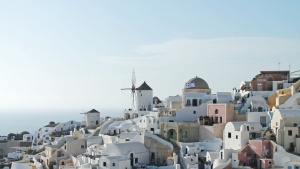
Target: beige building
[
  {"x": 285, "y": 124},
  {"x": 58, "y": 153},
  {"x": 177, "y": 132}
]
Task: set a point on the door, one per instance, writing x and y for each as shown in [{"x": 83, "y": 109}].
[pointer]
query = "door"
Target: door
[
  {"x": 152, "y": 157},
  {"x": 259, "y": 87},
  {"x": 131, "y": 159}
]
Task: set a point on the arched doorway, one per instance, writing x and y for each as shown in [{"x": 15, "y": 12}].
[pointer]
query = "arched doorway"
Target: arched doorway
[
  {"x": 172, "y": 134},
  {"x": 188, "y": 102},
  {"x": 127, "y": 116},
  {"x": 135, "y": 115}
]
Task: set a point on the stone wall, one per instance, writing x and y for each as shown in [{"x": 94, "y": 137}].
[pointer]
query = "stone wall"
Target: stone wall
[
  {"x": 160, "y": 151},
  {"x": 5, "y": 146},
  {"x": 240, "y": 117},
  {"x": 209, "y": 132}
]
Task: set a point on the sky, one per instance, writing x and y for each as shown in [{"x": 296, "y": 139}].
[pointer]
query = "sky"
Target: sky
[{"x": 73, "y": 56}]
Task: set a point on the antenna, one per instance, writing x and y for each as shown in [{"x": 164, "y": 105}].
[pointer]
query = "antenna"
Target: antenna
[
  {"x": 279, "y": 65},
  {"x": 133, "y": 80}
]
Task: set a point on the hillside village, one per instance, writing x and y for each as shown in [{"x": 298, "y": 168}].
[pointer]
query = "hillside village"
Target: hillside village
[{"x": 254, "y": 126}]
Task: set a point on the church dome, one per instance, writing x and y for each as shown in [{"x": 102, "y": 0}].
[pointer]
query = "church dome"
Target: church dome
[{"x": 196, "y": 83}]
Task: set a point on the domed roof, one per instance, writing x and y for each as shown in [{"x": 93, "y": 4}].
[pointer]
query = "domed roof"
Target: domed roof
[{"x": 196, "y": 83}]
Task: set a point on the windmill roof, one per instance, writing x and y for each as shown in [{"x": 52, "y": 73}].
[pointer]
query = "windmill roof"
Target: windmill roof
[
  {"x": 144, "y": 86},
  {"x": 93, "y": 111}
]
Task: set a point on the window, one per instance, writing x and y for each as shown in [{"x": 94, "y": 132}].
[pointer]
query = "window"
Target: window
[
  {"x": 194, "y": 112},
  {"x": 188, "y": 102},
  {"x": 263, "y": 121},
  {"x": 136, "y": 160},
  {"x": 279, "y": 86},
  {"x": 113, "y": 164},
  {"x": 290, "y": 132},
  {"x": 104, "y": 164},
  {"x": 185, "y": 134},
  {"x": 229, "y": 135},
  {"x": 216, "y": 119},
  {"x": 127, "y": 139},
  {"x": 82, "y": 146},
  {"x": 200, "y": 102},
  {"x": 236, "y": 137},
  {"x": 194, "y": 102},
  {"x": 220, "y": 119},
  {"x": 253, "y": 136},
  {"x": 247, "y": 128},
  {"x": 216, "y": 111}
]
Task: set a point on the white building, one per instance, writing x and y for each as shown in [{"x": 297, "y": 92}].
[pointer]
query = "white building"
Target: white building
[
  {"x": 122, "y": 155},
  {"x": 237, "y": 134},
  {"x": 66, "y": 126},
  {"x": 27, "y": 137},
  {"x": 173, "y": 102},
  {"x": 196, "y": 94},
  {"x": 3, "y": 138},
  {"x": 262, "y": 117},
  {"x": 144, "y": 102},
  {"x": 92, "y": 119}
]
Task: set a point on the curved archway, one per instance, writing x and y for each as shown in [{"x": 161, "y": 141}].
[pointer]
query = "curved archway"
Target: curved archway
[
  {"x": 135, "y": 115},
  {"x": 200, "y": 102},
  {"x": 188, "y": 102},
  {"x": 172, "y": 134},
  {"x": 127, "y": 116}
]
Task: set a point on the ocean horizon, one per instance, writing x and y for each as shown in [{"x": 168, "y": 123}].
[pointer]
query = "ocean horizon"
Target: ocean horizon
[{"x": 18, "y": 121}]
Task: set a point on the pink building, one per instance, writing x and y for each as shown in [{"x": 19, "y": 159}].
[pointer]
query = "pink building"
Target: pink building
[
  {"x": 220, "y": 113},
  {"x": 258, "y": 153}
]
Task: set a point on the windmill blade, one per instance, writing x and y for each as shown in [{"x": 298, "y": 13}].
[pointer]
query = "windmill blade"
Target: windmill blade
[
  {"x": 126, "y": 89},
  {"x": 132, "y": 97},
  {"x": 133, "y": 80}
]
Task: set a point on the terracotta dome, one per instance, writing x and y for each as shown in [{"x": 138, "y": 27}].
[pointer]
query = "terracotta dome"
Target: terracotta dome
[{"x": 196, "y": 83}]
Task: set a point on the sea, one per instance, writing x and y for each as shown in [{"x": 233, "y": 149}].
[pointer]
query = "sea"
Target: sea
[{"x": 21, "y": 120}]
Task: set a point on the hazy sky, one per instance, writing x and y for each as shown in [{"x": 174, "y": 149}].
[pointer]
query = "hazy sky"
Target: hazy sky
[{"x": 77, "y": 55}]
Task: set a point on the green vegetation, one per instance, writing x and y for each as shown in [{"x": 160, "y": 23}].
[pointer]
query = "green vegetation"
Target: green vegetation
[{"x": 17, "y": 136}]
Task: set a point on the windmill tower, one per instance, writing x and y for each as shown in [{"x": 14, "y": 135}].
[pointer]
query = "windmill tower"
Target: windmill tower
[{"x": 144, "y": 98}]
